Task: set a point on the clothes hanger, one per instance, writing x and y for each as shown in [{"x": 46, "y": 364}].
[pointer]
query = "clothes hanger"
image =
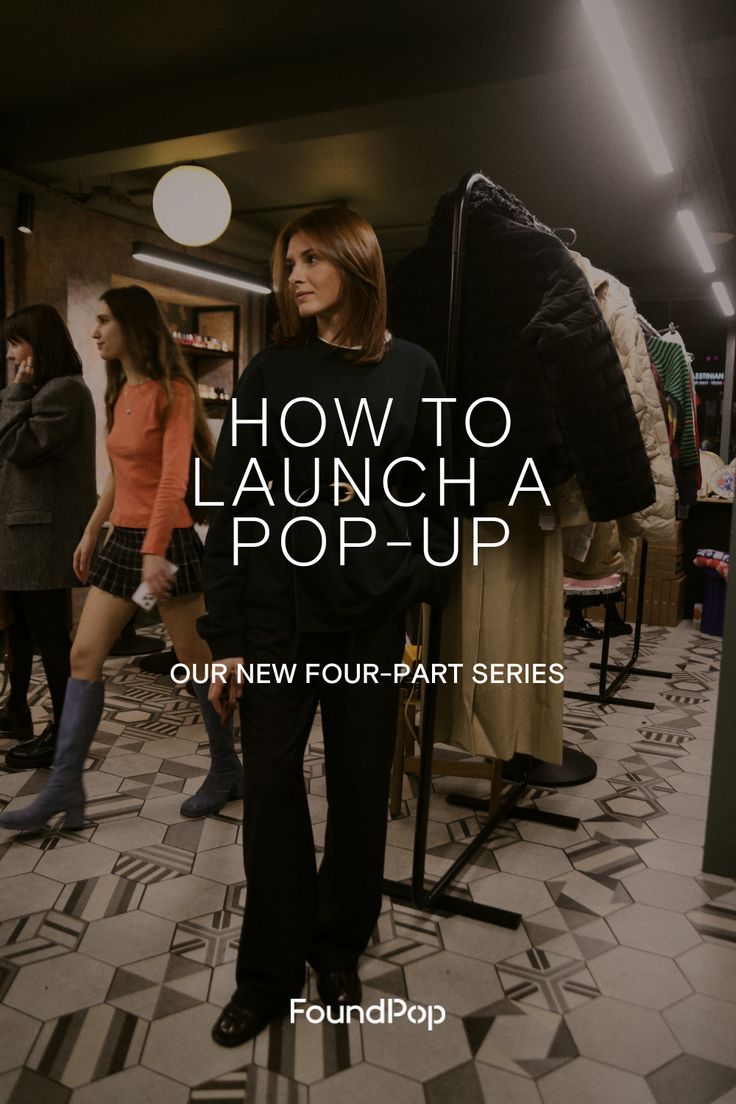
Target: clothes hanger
[
  {"x": 559, "y": 231},
  {"x": 647, "y": 326}
]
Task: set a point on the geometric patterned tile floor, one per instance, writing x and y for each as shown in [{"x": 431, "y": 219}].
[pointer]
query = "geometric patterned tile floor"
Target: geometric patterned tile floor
[{"x": 117, "y": 942}]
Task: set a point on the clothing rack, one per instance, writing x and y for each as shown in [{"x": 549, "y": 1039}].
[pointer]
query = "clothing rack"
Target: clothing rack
[
  {"x": 416, "y": 893},
  {"x": 670, "y": 328}
]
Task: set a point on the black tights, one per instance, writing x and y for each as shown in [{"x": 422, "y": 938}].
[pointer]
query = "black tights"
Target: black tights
[{"x": 40, "y": 616}]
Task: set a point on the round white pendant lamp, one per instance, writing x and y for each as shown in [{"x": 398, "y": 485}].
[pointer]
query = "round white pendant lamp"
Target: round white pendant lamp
[{"x": 192, "y": 205}]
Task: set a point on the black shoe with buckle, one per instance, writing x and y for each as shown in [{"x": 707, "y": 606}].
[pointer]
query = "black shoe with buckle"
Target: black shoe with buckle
[
  {"x": 339, "y": 988},
  {"x": 16, "y": 724},
  {"x": 35, "y": 753},
  {"x": 236, "y": 1025}
]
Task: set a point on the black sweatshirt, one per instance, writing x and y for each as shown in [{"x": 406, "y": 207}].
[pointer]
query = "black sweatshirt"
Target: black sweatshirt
[{"x": 375, "y": 582}]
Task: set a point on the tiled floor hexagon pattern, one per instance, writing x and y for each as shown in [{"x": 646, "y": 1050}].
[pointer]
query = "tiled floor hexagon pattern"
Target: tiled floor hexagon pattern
[{"x": 117, "y": 943}]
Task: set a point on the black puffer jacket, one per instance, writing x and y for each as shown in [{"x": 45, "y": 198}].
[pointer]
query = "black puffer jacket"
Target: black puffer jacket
[{"x": 532, "y": 335}]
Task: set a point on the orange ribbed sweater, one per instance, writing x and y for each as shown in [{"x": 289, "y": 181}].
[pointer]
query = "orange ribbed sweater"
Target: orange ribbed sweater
[{"x": 150, "y": 461}]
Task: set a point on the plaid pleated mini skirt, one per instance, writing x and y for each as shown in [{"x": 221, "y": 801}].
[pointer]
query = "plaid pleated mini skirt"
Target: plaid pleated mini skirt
[{"x": 117, "y": 566}]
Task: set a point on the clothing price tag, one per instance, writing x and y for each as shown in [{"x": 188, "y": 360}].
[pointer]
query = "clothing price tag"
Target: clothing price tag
[
  {"x": 547, "y": 519},
  {"x": 143, "y": 596}
]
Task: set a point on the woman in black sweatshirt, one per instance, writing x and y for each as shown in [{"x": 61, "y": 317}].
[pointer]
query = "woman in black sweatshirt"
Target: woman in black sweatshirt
[{"x": 330, "y": 527}]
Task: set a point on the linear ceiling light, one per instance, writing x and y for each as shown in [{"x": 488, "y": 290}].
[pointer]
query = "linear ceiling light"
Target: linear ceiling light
[
  {"x": 724, "y": 299},
  {"x": 179, "y": 262},
  {"x": 695, "y": 238},
  {"x": 612, "y": 42}
]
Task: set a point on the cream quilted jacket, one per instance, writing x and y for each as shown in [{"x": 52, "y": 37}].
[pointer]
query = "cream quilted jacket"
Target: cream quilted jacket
[{"x": 657, "y": 522}]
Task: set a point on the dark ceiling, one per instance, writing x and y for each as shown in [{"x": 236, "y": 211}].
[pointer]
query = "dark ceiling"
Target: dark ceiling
[{"x": 382, "y": 106}]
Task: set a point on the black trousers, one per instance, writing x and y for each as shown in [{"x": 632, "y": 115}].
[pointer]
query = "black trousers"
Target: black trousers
[
  {"x": 293, "y": 913},
  {"x": 40, "y": 618}
]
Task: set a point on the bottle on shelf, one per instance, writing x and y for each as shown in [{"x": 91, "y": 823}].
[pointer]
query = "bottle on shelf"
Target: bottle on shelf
[{"x": 200, "y": 341}]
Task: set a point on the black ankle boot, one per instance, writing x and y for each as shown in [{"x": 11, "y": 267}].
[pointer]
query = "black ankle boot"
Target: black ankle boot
[{"x": 35, "y": 753}]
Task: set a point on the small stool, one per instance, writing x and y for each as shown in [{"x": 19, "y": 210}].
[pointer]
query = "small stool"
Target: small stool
[{"x": 607, "y": 589}]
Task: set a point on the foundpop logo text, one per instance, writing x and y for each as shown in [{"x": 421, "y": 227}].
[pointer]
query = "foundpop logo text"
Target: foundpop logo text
[{"x": 384, "y": 1011}]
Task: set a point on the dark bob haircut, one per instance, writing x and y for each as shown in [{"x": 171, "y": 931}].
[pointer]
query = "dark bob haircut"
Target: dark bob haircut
[{"x": 44, "y": 329}]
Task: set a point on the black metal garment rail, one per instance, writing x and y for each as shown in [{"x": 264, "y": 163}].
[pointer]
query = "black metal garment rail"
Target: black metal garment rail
[{"x": 416, "y": 893}]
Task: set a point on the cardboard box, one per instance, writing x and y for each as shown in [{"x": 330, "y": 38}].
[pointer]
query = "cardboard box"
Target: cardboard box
[
  {"x": 664, "y": 559},
  {"x": 654, "y": 616},
  {"x": 676, "y": 611},
  {"x": 664, "y": 599}
]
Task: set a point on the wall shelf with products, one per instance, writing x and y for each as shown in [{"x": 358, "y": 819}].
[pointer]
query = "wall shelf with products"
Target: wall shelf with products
[
  {"x": 211, "y": 349},
  {"x": 201, "y": 351}
]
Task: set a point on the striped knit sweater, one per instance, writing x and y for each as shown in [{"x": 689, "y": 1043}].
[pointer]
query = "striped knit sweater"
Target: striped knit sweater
[{"x": 671, "y": 364}]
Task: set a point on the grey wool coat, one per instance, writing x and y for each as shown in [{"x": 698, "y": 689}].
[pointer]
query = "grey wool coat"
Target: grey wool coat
[{"x": 47, "y": 481}]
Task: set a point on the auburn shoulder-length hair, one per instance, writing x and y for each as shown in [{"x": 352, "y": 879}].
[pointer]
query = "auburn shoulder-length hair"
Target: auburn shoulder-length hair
[
  {"x": 44, "y": 329},
  {"x": 349, "y": 241},
  {"x": 156, "y": 355}
]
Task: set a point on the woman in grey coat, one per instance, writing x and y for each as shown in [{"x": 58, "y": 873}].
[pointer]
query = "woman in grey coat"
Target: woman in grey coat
[{"x": 47, "y": 492}]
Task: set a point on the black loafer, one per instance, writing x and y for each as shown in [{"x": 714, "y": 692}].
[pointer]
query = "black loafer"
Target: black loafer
[
  {"x": 584, "y": 629},
  {"x": 339, "y": 988},
  {"x": 236, "y": 1025},
  {"x": 36, "y": 753}
]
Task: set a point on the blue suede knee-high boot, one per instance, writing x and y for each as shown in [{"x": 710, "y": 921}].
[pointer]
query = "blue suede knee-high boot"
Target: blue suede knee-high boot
[
  {"x": 65, "y": 792},
  {"x": 224, "y": 781}
]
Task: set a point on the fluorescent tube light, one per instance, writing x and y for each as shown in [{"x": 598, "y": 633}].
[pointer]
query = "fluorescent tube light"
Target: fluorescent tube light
[
  {"x": 612, "y": 42},
  {"x": 193, "y": 266},
  {"x": 724, "y": 299},
  {"x": 697, "y": 242}
]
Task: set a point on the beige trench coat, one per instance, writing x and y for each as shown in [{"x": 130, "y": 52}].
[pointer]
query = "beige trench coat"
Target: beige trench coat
[{"x": 508, "y": 609}]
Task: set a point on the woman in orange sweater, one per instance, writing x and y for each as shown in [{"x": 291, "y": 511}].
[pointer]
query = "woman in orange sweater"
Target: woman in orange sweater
[{"x": 156, "y": 422}]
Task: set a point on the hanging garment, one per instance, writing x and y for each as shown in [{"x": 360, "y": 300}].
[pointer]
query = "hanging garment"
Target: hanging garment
[
  {"x": 604, "y": 555},
  {"x": 531, "y": 335},
  {"x": 613, "y": 545},
  {"x": 663, "y": 402},
  {"x": 676, "y": 338},
  {"x": 525, "y": 627},
  {"x": 670, "y": 360},
  {"x": 657, "y": 521}
]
